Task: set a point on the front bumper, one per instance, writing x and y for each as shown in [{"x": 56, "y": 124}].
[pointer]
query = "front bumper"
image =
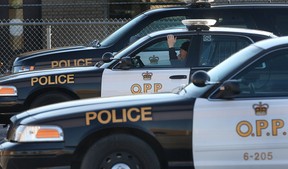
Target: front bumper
[{"x": 34, "y": 155}]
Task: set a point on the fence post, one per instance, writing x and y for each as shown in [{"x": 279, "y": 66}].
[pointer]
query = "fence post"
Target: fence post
[{"x": 49, "y": 33}]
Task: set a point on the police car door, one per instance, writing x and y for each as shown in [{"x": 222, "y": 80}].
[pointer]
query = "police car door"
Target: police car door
[
  {"x": 157, "y": 74},
  {"x": 251, "y": 129}
]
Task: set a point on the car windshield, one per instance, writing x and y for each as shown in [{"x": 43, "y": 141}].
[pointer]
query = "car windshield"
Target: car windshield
[
  {"x": 115, "y": 36},
  {"x": 124, "y": 52},
  {"x": 132, "y": 31}
]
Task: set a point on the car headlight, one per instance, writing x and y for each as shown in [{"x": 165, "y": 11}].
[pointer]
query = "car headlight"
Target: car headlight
[
  {"x": 40, "y": 133},
  {"x": 18, "y": 69},
  {"x": 8, "y": 91}
]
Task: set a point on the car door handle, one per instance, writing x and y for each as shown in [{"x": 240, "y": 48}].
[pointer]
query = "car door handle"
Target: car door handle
[{"x": 178, "y": 77}]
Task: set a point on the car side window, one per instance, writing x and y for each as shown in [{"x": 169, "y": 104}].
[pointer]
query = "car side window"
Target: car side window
[
  {"x": 162, "y": 24},
  {"x": 216, "y": 48},
  {"x": 156, "y": 54},
  {"x": 266, "y": 78},
  {"x": 282, "y": 25},
  {"x": 232, "y": 19}
]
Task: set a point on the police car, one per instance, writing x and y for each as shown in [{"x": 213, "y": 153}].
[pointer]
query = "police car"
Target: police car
[
  {"x": 143, "y": 67},
  {"x": 234, "y": 116},
  {"x": 253, "y": 16}
]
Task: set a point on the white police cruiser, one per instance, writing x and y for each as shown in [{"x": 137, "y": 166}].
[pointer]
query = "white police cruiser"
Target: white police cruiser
[
  {"x": 234, "y": 116},
  {"x": 150, "y": 68}
]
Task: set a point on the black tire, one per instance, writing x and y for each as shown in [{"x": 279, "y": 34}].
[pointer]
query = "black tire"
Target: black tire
[
  {"x": 120, "y": 151},
  {"x": 50, "y": 98}
]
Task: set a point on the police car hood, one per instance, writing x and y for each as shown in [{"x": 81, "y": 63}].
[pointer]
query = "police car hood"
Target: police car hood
[
  {"x": 29, "y": 74},
  {"x": 78, "y": 108},
  {"x": 49, "y": 52}
]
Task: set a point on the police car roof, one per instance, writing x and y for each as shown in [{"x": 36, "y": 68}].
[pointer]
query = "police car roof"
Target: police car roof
[
  {"x": 221, "y": 6},
  {"x": 215, "y": 29},
  {"x": 252, "y": 5}
]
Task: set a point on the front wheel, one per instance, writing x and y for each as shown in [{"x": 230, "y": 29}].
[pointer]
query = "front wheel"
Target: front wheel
[{"x": 120, "y": 151}]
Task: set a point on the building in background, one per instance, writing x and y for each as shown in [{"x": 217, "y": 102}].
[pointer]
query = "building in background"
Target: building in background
[{"x": 57, "y": 9}]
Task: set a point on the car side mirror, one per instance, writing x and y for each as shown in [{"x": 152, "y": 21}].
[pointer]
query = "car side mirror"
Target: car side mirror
[
  {"x": 200, "y": 78},
  {"x": 95, "y": 43},
  {"x": 107, "y": 57}
]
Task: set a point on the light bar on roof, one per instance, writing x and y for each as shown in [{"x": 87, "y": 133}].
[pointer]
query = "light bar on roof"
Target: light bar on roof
[
  {"x": 197, "y": 1},
  {"x": 204, "y": 22}
]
